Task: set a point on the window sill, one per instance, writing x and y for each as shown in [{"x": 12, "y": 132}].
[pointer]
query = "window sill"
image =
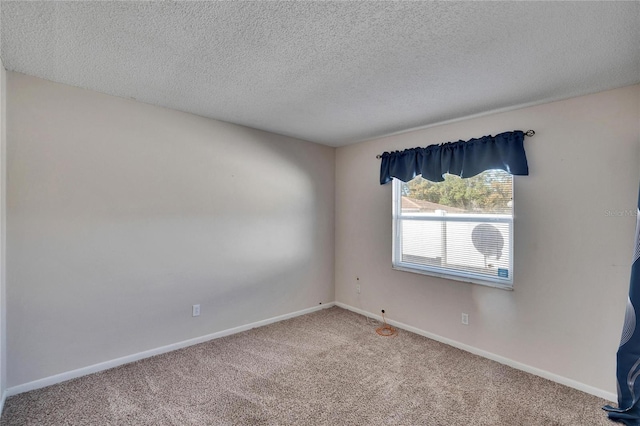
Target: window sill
[{"x": 501, "y": 286}]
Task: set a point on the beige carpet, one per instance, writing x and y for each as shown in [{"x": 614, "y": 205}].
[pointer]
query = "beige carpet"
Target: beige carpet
[{"x": 325, "y": 368}]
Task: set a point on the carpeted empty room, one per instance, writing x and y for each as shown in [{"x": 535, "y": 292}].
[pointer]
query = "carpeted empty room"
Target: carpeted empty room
[
  {"x": 319, "y": 213},
  {"x": 327, "y": 367}
]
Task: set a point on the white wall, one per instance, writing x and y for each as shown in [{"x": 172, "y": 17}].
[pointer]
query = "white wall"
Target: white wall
[
  {"x": 572, "y": 259},
  {"x": 121, "y": 215}
]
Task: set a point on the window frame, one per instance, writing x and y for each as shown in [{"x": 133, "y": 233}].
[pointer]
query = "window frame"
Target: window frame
[{"x": 446, "y": 273}]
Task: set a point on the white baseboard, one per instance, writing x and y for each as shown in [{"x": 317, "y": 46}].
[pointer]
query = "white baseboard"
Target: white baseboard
[
  {"x": 63, "y": 377},
  {"x": 609, "y": 396},
  {"x": 3, "y": 398}
]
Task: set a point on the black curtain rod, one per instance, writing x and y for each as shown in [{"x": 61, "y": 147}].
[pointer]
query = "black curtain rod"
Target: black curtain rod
[{"x": 527, "y": 133}]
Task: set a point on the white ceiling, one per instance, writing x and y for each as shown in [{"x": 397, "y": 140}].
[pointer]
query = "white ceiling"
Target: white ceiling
[{"x": 328, "y": 72}]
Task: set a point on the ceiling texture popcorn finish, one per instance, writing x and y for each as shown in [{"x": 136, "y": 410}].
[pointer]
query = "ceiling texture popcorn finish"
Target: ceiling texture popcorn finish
[{"x": 328, "y": 72}]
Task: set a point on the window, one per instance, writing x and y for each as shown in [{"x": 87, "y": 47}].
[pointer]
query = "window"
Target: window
[{"x": 460, "y": 229}]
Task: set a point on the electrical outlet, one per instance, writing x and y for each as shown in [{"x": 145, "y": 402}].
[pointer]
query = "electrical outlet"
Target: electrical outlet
[
  {"x": 195, "y": 310},
  {"x": 358, "y": 288},
  {"x": 465, "y": 318}
]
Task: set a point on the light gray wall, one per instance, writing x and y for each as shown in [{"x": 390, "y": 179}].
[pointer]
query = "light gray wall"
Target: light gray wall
[
  {"x": 572, "y": 258},
  {"x": 3, "y": 188},
  {"x": 121, "y": 215}
]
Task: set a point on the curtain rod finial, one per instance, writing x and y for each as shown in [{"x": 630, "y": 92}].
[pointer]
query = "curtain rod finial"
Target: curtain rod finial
[{"x": 530, "y": 133}]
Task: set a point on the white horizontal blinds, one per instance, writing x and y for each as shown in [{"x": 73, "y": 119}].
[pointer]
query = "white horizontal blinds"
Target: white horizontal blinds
[{"x": 459, "y": 227}]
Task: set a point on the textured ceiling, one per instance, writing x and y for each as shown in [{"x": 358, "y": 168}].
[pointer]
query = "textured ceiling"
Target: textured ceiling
[{"x": 329, "y": 72}]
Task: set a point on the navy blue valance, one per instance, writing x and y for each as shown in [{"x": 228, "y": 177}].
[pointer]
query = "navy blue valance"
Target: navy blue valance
[{"x": 465, "y": 159}]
